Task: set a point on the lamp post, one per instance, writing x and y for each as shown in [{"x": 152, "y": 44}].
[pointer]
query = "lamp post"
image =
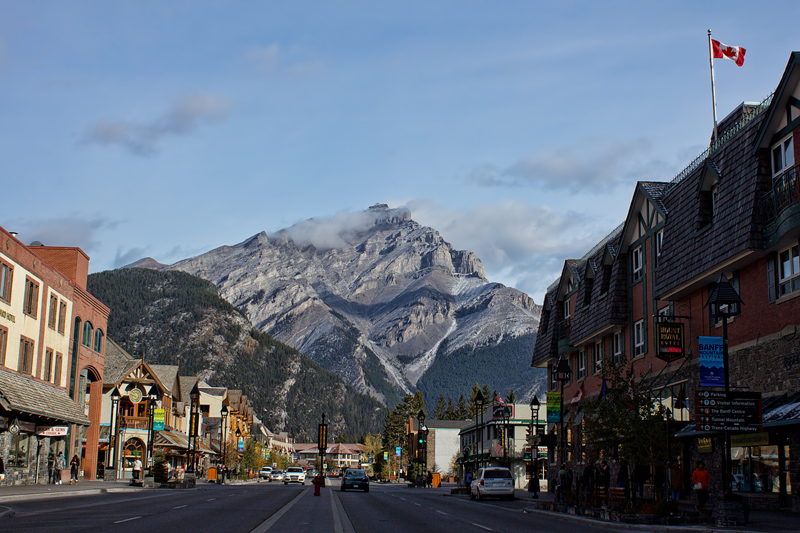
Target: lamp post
[
  {"x": 563, "y": 374},
  {"x": 724, "y": 303},
  {"x": 223, "y": 443},
  {"x": 533, "y": 484},
  {"x": 152, "y": 397},
  {"x": 506, "y": 416},
  {"x": 194, "y": 411},
  {"x": 112, "y": 437},
  {"x": 238, "y": 436},
  {"x": 422, "y": 430},
  {"x": 479, "y": 407}
]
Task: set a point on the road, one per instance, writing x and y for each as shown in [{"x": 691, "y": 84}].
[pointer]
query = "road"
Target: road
[{"x": 273, "y": 507}]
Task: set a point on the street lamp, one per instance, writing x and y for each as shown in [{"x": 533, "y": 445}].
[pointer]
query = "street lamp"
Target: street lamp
[
  {"x": 563, "y": 374},
  {"x": 724, "y": 303},
  {"x": 533, "y": 484},
  {"x": 223, "y": 443},
  {"x": 479, "y": 407},
  {"x": 421, "y": 438},
  {"x": 194, "y": 411},
  {"x": 506, "y": 415},
  {"x": 113, "y": 434},
  {"x": 152, "y": 397}
]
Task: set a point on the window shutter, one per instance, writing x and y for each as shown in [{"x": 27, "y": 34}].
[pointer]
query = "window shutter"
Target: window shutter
[{"x": 771, "y": 276}]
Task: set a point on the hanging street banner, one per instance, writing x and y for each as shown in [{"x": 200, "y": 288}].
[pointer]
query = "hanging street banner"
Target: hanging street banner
[
  {"x": 397, "y": 451},
  {"x": 712, "y": 370},
  {"x": 240, "y": 446},
  {"x": 669, "y": 341},
  {"x": 553, "y": 407},
  {"x": 728, "y": 411},
  {"x": 322, "y": 437},
  {"x": 159, "y": 417}
]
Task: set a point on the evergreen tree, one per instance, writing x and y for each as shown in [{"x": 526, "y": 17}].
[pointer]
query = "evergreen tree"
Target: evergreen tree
[
  {"x": 463, "y": 412},
  {"x": 441, "y": 407},
  {"x": 511, "y": 398},
  {"x": 494, "y": 396},
  {"x": 450, "y": 412},
  {"x": 487, "y": 393}
]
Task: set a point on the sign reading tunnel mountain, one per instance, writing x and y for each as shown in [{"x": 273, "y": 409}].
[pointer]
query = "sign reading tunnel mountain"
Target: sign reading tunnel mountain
[
  {"x": 669, "y": 337},
  {"x": 728, "y": 411}
]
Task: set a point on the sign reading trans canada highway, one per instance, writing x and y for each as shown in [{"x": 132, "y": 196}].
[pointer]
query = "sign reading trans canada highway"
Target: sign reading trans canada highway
[
  {"x": 712, "y": 369},
  {"x": 728, "y": 411}
]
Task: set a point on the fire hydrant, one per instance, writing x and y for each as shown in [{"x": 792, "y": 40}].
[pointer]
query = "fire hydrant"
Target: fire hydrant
[{"x": 317, "y": 484}]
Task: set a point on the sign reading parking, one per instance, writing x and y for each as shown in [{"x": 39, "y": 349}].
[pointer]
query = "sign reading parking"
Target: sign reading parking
[{"x": 728, "y": 411}]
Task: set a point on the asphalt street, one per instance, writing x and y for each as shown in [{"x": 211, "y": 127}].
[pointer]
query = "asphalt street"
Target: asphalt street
[{"x": 273, "y": 507}]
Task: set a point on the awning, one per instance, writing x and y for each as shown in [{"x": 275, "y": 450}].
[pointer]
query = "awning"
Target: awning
[
  {"x": 782, "y": 411},
  {"x": 175, "y": 439},
  {"x": 34, "y": 398}
]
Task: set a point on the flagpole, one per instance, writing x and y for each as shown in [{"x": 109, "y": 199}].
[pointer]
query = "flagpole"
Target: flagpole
[{"x": 713, "y": 95}]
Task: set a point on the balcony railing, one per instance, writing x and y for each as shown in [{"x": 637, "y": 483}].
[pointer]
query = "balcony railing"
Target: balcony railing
[
  {"x": 135, "y": 422},
  {"x": 785, "y": 193},
  {"x": 564, "y": 329}
]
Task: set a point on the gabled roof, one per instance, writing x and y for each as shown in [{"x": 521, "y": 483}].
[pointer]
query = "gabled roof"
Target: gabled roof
[
  {"x": 118, "y": 363},
  {"x": 35, "y": 398},
  {"x": 646, "y": 191},
  {"x": 168, "y": 374},
  {"x": 780, "y": 101}
]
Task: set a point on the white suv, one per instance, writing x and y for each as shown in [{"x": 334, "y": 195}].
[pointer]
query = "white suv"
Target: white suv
[
  {"x": 492, "y": 481},
  {"x": 294, "y": 474}
]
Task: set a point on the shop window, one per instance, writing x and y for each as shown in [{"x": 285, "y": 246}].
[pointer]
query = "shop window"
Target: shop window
[
  {"x": 757, "y": 469},
  {"x": 87, "y": 334},
  {"x": 62, "y": 317},
  {"x": 18, "y": 452},
  {"x": 134, "y": 449},
  {"x": 98, "y": 341},
  {"x": 30, "y": 305},
  {"x": 639, "y": 345},
  {"x": 6, "y": 277}
]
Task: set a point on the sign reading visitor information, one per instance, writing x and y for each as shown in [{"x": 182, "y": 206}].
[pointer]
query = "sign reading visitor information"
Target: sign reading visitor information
[
  {"x": 712, "y": 370},
  {"x": 669, "y": 341},
  {"x": 728, "y": 411},
  {"x": 553, "y": 407}
]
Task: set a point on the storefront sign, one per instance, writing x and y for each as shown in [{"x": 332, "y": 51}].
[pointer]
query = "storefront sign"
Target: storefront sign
[
  {"x": 159, "y": 417},
  {"x": 712, "y": 370},
  {"x": 8, "y": 316},
  {"x": 553, "y": 407},
  {"x": 52, "y": 431},
  {"x": 135, "y": 396},
  {"x": 752, "y": 439},
  {"x": 502, "y": 410},
  {"x": 669, "y": 337},
  {"x": 728, "y": 411},
  {"x": 705, "y": 445}
]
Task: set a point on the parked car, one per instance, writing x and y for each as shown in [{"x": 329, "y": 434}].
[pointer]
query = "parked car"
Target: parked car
[
  {"x": 294, "y": 474},
  {"x": 355, "y": 478},
  {"x": 492, "y": 481},
  {"x": 276, "y": 475},
  {"x": 265, "y": 473}
]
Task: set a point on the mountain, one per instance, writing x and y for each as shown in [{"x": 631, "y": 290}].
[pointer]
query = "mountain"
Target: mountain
[
  {"x": 178, "y": 319},
  {"x": 382, "y": 301}
]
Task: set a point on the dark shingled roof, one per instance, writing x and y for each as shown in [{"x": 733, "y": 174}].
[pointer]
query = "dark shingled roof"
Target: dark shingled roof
[
  {"x": 118, "y": 363},
  {"x": 35, "y": 398},
  {"x": 167, "y": 374}
]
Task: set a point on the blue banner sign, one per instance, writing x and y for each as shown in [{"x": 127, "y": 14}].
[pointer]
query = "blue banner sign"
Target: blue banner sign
[{"x": 712, "y": 369}]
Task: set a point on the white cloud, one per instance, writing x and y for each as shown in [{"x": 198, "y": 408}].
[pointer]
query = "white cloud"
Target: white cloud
[
  {"x": 520, "y": 245},
  {"x": 264, "y": 58},
  {"x": 64, "y": 231},
  {"x": 142, "y": 139},
  {"x": 593, "y": 164}
]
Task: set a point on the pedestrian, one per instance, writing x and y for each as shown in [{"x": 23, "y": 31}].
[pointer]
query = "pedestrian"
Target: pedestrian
[
  {"x": 2, "y": 470},
  {"x": 533, "y": 484},
  {"x": 74, "y": 466},
  {"x": 61, "y": 464},
  {"x": 675, "y": 481},
  {"x": 588, "y": 483},
  {"x": 700, "y": 481},
  {"x": 51, "y": 466},
  {"x": 603, "y": 475},
  {"x": 137, "y": 471},
  {"x": 430, "y": 480},
  {"x": 563, "y": 483}
]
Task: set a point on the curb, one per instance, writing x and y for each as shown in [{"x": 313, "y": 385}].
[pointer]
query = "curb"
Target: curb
[
  {"x": 6, "y": 512},
  {"x": 61, "y": 494}
]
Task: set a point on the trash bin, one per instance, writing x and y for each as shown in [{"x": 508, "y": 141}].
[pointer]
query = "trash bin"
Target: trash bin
[{"x": 437, "y": 479}]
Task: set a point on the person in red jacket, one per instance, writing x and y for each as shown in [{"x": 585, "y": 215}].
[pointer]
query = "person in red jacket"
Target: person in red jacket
[{"x": 700, "y": 481}]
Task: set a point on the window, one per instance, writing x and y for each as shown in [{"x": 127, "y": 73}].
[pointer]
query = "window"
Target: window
[
  {"x": 98, "y": 340},
  {"x": 638, "y": 339},
  {"x": 62, "y": 317},
  {"x": 87, "y": 334},
  {"x": 659, "y": 240},
  {"x": 30, "y": 306},
  {"x": 618, "y": 347},
  {"x": 789, "y": 270},
  {"x": 57, "y": 370},
  {"x": 782, "y": 158},
  {"x": 47, "y": 373},
  {"x": 18, "y": 452},
  {"x": 597, "y": 359},
  {"x": 581, "y": 364},
  {"x": 3, "y": 344},
  {"x": 6, "y": 277},
  {"x": 638, "y": 263},
  {"x": 566, "y": 309},
  {"x": 25, "y": 355},
  {"x": 51, "y": 315},
  {"x": 553, "y": 381}
]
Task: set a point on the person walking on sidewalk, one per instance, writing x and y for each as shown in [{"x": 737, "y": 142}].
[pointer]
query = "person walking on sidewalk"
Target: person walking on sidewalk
[
  {"x": 61, "y": 464},
  {"x": 74, "y": 465},
  {"x": 137, "y": 471},
  {"x": 700, "y": 481}
]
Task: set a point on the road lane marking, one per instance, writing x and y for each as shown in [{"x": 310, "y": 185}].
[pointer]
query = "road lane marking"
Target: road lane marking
[
  {"x": 418, "y": 504},
  {"x": 180, "y": 506},
  {"x": 440, "y": 512},
  {"x": 211, "y": 499},
  {"x": 482, "y": 527},
  {"x": 341, "y": 522},
  {"x": 128, "y": 519},
  {"x": 277, "y": 516}
]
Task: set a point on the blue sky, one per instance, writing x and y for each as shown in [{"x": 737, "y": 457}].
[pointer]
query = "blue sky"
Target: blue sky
[{"x": 516, "y": 129}]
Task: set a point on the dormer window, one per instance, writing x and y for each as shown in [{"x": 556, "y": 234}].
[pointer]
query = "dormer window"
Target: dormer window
[
  {"x": 659, "y": 241},
  {"x": 566, "y": 309},
  {"x": 782, "y": 159},
  {"x": 637, "y": 257}
]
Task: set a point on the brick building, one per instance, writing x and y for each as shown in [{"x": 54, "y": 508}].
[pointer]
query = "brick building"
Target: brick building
[{"x": 734, "y": 211}]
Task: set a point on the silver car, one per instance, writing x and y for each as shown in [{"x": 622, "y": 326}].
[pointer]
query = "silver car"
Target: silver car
[
  {"x": 276, "y": 475},
  {"x": 492, "y": 481},
  {"x": 294, "y": 474}
]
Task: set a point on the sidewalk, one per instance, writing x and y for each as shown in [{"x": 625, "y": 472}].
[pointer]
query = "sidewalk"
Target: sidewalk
[
  {"x": 760, "y": 521},
  {"x": 11, "y": 493}
]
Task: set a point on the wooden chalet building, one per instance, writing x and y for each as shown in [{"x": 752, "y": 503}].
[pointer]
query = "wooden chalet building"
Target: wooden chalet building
[{"x": 733, "y": 212}]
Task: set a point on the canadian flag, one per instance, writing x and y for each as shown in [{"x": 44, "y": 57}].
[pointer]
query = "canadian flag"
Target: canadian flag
[
  {"x": 736, "y": 53},
  {"x": 578, "y": 396}
]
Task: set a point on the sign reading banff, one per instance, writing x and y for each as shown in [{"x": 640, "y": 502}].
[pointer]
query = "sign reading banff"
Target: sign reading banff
[{"x": 728, "y": 411}]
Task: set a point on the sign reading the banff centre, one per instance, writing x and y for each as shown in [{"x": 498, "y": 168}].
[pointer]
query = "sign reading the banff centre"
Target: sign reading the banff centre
[
  {"x": 728, "y": 411},
  {"x": 669, "y": 337}
]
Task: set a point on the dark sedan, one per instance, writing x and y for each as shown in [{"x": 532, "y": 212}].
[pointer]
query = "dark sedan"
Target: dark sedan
[{"x": 355, "y": 479}]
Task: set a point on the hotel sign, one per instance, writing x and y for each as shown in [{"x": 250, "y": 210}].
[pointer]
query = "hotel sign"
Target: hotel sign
[{"x": 669, "y": 341}]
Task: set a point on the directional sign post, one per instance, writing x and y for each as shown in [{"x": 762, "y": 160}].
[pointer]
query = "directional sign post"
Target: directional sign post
[{"x": 739, "y": 412}]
